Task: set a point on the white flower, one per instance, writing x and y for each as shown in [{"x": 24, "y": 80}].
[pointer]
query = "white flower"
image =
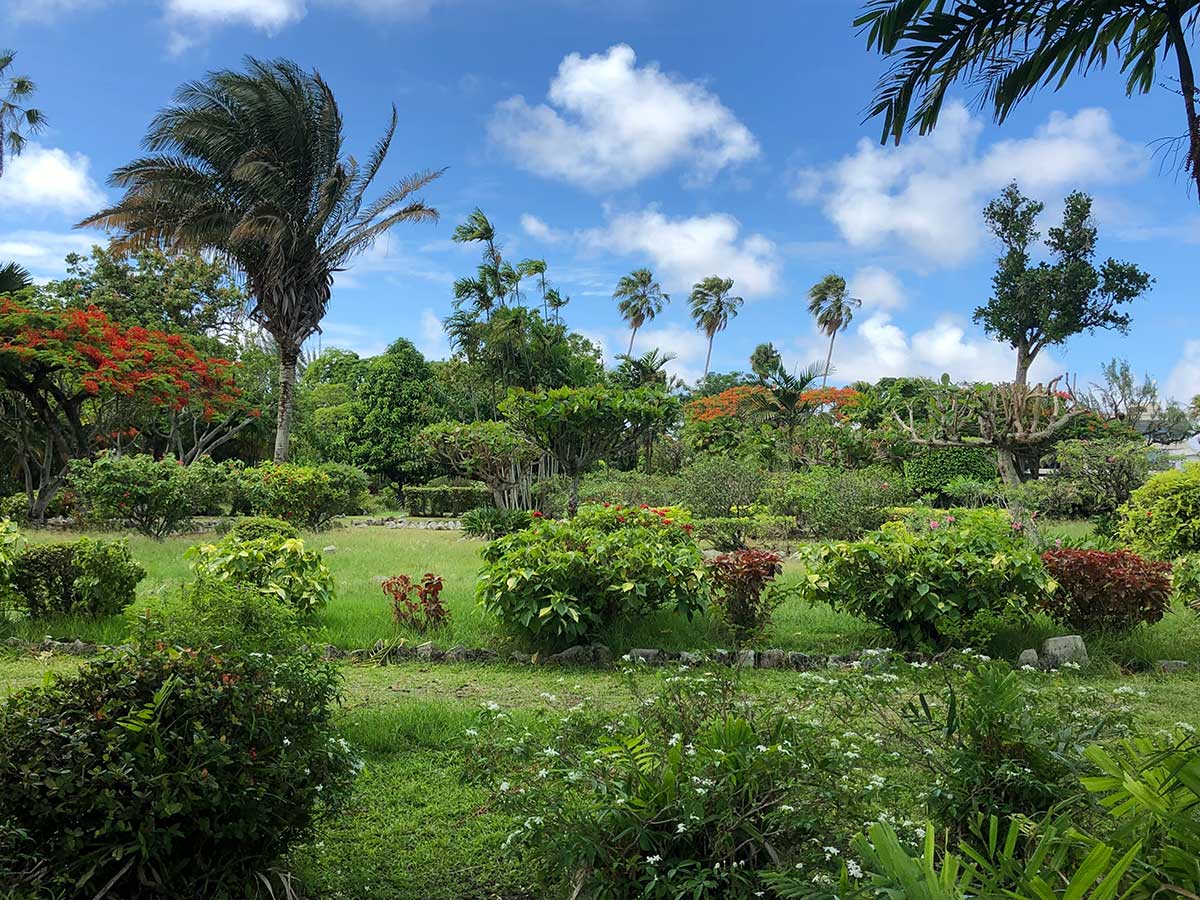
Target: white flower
[
  {"x": 654, "y": 860},
  {"x": 504, "y": 786},
  {"x": 854, "y": 869},
  {"x": 680, "y": 828},
  {"x": 471, "y": 732}
]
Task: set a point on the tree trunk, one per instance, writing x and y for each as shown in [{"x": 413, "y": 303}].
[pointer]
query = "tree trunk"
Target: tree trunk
[
  {"x": 573, "y": 497},
  {"x": 708, "y": 356},
  {"x": 828, "y": 360},
  {"x": 1187, "y": 87},
  {"x": 632, "y": 335},
  {"x": 1006, "y": 460},
  {"x": 287, "y": 392},
  {"x": 1024, "y": 361}
]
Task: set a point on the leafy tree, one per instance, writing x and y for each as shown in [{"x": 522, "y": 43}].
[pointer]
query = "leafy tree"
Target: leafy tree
[
  {"x": 182, "y": 292},
  {"x": 640, "y": 299},
  {"x": 719, "y": 382},
  {"x": 326, "y": 407},
  {"x": 14, "y": 278},
  {"x": 1010, "y": 48},
  {"x": 764, "y": 360},
  {"x": 787, "y": 402},
  {"x": 833, "y": 308},
  {"x": 394, "y": 402},
  {"x": 649, "y": 369},
  {"x": 580, "y": 426},
  {"x": 491, "y": 452},
  {"x": 1035, "y": 306},
  {"x": 248, "y": 166},
  {"x": 712, "y": 308},
  {"x": 17, "y": 119},
  {"x": 75, "y": 382}
]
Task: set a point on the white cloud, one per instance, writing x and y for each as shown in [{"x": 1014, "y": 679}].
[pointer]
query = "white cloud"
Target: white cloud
[
  {"x": 49, "y": 178},
  {"x": 880, "y": 348},
  {"x": 43, "y": 252},
  {"x": 610, "y": 123},
  {"x": 432, "y": 342},
  {"x": 683, "y": 251},
  {"x": 1184, "y": 381},
  {"x": 877, "y": 288},
  {"x": 269, "y": 15},
  {"x": 539, "y": 230},
  {"x": 688, "y": 345},
  {"x": 928, "y": 193}
]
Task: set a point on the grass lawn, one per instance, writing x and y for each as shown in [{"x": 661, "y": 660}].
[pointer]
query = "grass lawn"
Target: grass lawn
[
  {"x": 360, "y": 614},
  {"x": 417, "y": 828}
]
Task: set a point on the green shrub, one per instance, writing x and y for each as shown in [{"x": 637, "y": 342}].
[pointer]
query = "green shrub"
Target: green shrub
[
  {"x": 12, "y": 544},
  {"x": 558, "y": 582},
  {"x": 15, "y": 507},
  {"x": 832, "y": 503},
  {"x": 220, "y": 616},
  {"x": 161, "y": 772},
  {"x": 1103, "y": 591},
  {"x": 720, "y": 486},
  {"x": 489, "y": 523},
  {"x": 1185, "y": 580},
  {"x": 736, "y": 532},
  {"x": 307, "y": 496},
  {"x": 928, "y": 586},
  {"x": 350, "y": 487},
  {"x": 1162, "y": 518},
  {"x": 85, "y": 577},
  {"x": 1106, "y": 471},
  {"x": 971, "y": 493},
  {"x": 444, "y": 499},
  {"x": 630, "y": 488},
  {"x": 931, "y": 469},
  {"x": 273, "y": 564},
  {"x": 251, "y": 528},
  {"x": 155, "y": 496},
  {"x": 1054, "y": 497}
]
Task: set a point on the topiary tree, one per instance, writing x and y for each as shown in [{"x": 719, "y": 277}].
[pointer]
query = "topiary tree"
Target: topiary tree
[
  {"x": 580, "y": 426},
  {"x": 491, "y": 452}
]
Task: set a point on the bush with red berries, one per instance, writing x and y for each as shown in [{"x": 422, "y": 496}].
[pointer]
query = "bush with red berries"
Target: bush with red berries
[{"x": 1106, "y": 591}]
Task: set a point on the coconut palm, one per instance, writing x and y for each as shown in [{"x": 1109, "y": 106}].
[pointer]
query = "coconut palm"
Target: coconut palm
[
  {"x": 17, "y": 119},
  {"x": 249, "y": 166},
  {"x": 639, "y": 298},
  {"x": 712, "y": 308},
  {"x": 785, "y": 404},
  {"x": 1010, "y": 48},
  {"x": 13, "y": 278},
  {"x": 834, "y": 309},
  {"x": 765, "y": 360}
]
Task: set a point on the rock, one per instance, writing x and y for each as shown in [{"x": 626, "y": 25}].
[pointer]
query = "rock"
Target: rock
[
  {"x": 457, "y": 654},
  {"x": 722, "y": 657},
  {"x": 518, "y": 657},
  {"x": 691, "y": 659},
  {"x": 332, "y": 652},
  {"x": 1173, "y": 665},
  {"x": 1058, "y": 651},
  {"x": 801, "y": 662},
  {"x": 579, "y": 655},
  {"x": 483, "y": 654},
  {"x": 649, "y": 657},
  {"x": 360, "y": 655},
  {"x": 425, "y": 651},
  {"x": 1027, "y": 658},
  {"x": 79, "y": 648},
  {"x": 745, "y": 659},
  {"x": 15, "y": 642},
  {"x": 771, "y": 659},
  {"x": 602, "y": 656},
  {"x": 332, "y": 548}
]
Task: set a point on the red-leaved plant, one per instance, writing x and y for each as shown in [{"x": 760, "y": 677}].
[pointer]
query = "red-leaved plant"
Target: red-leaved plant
[
  {"x": 740, "y": 581},
  {"x": 417, "y": 604},
  {"x": 1106, "y": 591}
]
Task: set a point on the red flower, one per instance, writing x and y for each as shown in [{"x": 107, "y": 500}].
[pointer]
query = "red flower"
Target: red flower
[{"x": 536, "y": 514}]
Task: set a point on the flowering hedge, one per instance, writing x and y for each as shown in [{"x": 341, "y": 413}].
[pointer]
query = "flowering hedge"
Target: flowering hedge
[{"x": 1100, "y": 591}]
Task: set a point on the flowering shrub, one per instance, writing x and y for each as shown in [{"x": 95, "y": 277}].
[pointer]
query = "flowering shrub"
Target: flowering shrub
[
  {"x": 85, "y": 577},
  {"x": 307, "y": 496},
  {"x": 1162, "y": 518},
  {"x": 155, "y": 496},
  {"x": 274, "y": 565},
  {"x": 740, "y": 581},
  {"x": 927, "y": 586},
  {"x": 163, "y": 771},
  {"x": 1106, "y": 591},
  {"x": 560, "y": 581},
  {"x": 426, "y": 611}
]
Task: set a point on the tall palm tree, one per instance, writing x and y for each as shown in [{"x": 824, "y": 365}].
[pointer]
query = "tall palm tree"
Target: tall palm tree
[
  {"x": 639, "y": 298},
  {"x": 13, "y": 278},
  {"x": 18, "y": 120},
  {"x": 834, "y": 309},
  {"x": 249, "y": 166},
  {"x": 1010, "y": 48},
  {"x": 712, "y": 308}
]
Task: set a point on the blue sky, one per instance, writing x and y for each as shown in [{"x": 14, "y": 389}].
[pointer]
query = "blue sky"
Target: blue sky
[{"x": 693, "y": 138}]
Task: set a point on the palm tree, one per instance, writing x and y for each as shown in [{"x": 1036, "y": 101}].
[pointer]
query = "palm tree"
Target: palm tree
[
  {"x": 834, "y": 309},
  {"x": 648, "y": 369},
  {"x": 17, "y": 120},
  {"x": 784, "y": 405},
  {"x": 249, "y": 166},
  {"x": 640, "y": 298},
  {"x": 13, "y": 278},
  {"x": 765, "y": 360},
  {"x": 1010, "y": 49},
  {"x": 712, "y": 308}
]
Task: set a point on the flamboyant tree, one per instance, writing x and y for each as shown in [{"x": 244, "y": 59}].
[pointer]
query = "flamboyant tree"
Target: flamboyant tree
[{"x": 75, "y": 383}]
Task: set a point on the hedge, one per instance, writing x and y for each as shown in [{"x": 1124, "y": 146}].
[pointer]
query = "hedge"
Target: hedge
[
  {"x": 444, "y": 500},
  {"x": 931, "y": 469}
]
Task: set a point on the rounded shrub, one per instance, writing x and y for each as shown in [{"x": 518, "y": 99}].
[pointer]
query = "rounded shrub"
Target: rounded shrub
[
  {"x": 166, "y": 773},
  {"x": 85, "y": 577},
  {"x": 489, "y": 523},
  {"x": 307, "y": 496},
  {"x": 1106, "y": 591},
  {"x": 931, "y": 469},
  {"x": 273, "y": 565},
  {"x": 252, "y": 528},
  {"x": 559, "y": 582},
  {"x": 1162, "y": 517}
]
